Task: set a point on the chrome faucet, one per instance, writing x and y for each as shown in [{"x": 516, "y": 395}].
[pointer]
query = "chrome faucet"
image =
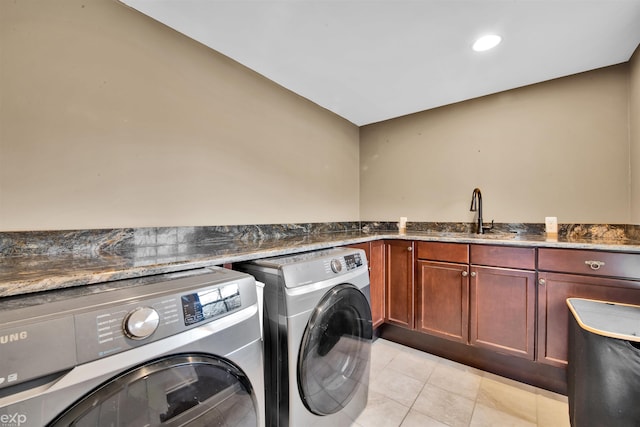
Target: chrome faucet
[{"x": 476, "y": 205}]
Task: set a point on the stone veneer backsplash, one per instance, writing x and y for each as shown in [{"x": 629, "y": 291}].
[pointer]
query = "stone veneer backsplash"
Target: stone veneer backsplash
[
  {"x": 119, "y": 240},
  {"x": 613, "y": 232},
  {"x": 567, "y": 231}
]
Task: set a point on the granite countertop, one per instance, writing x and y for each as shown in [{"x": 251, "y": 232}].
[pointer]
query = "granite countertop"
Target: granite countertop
[{"x": 23, "y": 274}]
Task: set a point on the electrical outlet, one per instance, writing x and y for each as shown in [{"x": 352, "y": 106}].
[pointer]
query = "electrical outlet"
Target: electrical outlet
[{"x": 551, "y": 224}]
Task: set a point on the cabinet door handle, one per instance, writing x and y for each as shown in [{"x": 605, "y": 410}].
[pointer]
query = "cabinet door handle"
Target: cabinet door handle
[
  {"x": 542, "y": 282},
  {"x": 409, "y": 248},
  {"x": 595, "y": 265},
  {"x": 465, "y": 274},
  {"x": 473, "y": 274}
]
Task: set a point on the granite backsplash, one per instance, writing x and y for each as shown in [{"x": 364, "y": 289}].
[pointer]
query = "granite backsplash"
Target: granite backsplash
[
  {"x": 122, "y": 240},
  {"x": 119, "y": 240}
]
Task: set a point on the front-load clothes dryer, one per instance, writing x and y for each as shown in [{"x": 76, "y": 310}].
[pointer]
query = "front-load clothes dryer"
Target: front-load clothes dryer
[
  {"x": 180, "y": 349},
  {"x": 317, "y": 335}
]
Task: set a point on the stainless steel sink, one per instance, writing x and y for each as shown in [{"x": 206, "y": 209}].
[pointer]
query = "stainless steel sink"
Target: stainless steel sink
[
  {"x": 487, "y": 236},
  {"x": 496, "y": 236}
]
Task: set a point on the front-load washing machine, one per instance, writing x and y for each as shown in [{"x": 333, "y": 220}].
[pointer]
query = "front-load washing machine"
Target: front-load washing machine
[
  {"x": 317, "y": 335},
  {"x": 180, "y": 349}
]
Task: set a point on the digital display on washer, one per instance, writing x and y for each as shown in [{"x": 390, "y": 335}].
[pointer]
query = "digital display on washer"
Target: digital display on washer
[
  {"x": 205, "y": 305},
  {"x": 353, "y": 261}
]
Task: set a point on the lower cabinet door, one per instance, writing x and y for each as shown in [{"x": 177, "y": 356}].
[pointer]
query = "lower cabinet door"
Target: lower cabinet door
[
  {"x": 502, "y": 310},
  {"x": 399, "y": 282},
  {"x": 442, "y": 300},
  {"x": 553, "y": 312},
  {"x": 376, "y": 277}
]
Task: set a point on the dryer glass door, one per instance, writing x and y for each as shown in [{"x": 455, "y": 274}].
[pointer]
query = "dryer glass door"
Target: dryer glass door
[
  {"x": 179, "y": 390},
  {"x": 334, "y": 356}
]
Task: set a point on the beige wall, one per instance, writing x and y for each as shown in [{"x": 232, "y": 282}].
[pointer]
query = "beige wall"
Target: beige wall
[
  {"x": 559, "y": 148},
  {"x": 109, "y": 119},
  {"x": 634, "y": 122}
]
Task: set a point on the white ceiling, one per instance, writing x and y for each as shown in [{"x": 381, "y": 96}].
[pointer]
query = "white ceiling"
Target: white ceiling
[{"x": 372, "y": 60}]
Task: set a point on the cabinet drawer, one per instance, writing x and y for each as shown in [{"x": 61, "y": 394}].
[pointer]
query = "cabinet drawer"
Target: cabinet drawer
[
  {"x": 503, "y": 256},
  {"x": 597, "y": 263},
  {"x": 448, "y": 252}
]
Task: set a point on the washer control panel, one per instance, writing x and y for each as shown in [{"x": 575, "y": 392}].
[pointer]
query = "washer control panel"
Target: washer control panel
[
  {"x": 121, "y": 327},
  {"x": 112, "y": 330},
  {"x": 95, "y": 325}
]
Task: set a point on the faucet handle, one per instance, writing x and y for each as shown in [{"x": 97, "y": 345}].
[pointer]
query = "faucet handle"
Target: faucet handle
[{"x": 487, "y": 228}]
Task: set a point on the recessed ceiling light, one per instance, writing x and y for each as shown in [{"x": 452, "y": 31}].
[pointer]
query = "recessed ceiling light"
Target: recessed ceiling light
[{"x": 487, "y": 42}]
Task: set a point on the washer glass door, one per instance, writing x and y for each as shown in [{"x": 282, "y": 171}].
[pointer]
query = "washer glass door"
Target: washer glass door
[
  {"x": 179, "y": 390},
  {"x": 335, "y": 351}
]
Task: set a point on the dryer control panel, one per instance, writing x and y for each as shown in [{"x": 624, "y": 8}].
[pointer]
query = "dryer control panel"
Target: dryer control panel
[
  {"x": 311, "y": 267},
  {"x": 347, "y": 262},
  {"x": 353, "y": 261}
]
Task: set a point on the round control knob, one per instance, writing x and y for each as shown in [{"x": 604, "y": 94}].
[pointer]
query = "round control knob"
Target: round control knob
[
  {"x": 336, "y": 265},
  {"x": 141, "y": 323}
]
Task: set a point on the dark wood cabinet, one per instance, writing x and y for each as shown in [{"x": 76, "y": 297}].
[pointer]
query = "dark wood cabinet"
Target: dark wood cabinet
[
  {"x": 503, "y": 299},
  {"x": 477, "y": 294},
  {"x": 569, "y": 273},
  {"x": 502, "y": 310},
  {"x": 442, "y": 299},
  {"x": 399, "y": 294},
  {"x": 442, "y": 290},
  {"x": 590, "y": 262},
  {"x": 374, "y": 251},
  {"x": 553, "y": 313},
  {"x": 503, "y": 256},
  {"x": 443, "y": 251},
  {"x": 482, "y": 304},
  {"x": 377, "y": 277}
]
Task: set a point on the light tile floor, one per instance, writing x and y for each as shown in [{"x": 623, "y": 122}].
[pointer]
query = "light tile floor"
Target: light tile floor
[{"x": 410, "y": 388}]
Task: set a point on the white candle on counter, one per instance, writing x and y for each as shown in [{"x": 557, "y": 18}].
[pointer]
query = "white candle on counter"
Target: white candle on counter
[{"x": 402, "y": 225}]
